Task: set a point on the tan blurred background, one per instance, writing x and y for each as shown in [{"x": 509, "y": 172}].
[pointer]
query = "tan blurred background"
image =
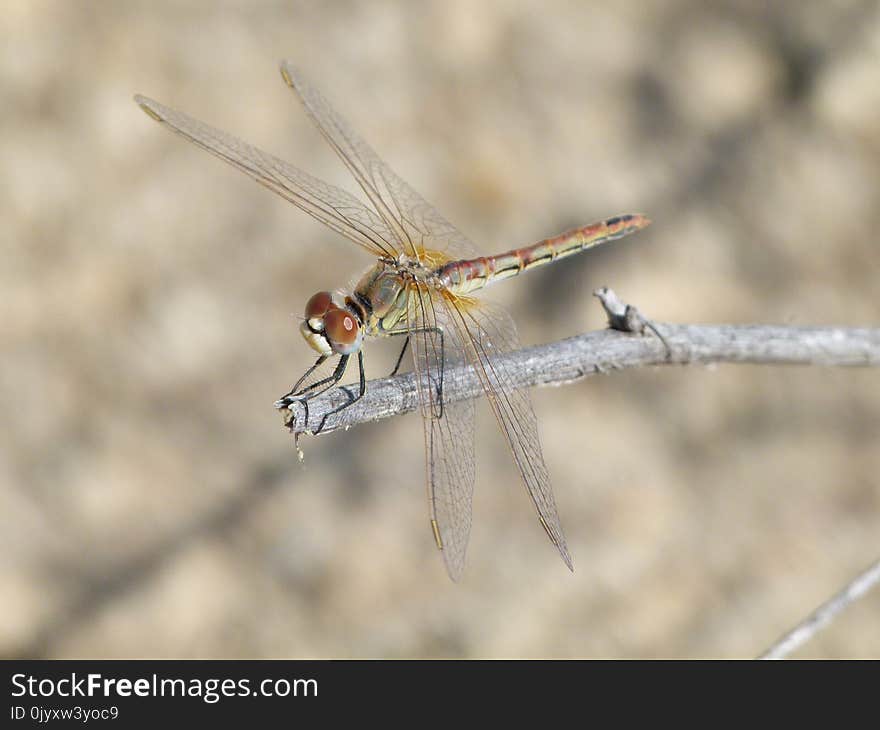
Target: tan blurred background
[{"x": 151, "y": 502}]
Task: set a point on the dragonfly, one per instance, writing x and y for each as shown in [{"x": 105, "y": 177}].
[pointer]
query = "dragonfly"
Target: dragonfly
[{"x": 421, "y": 288}]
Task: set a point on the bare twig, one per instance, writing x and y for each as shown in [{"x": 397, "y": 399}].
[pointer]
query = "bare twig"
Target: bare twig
[
  {"x": 569, "y": 360},
  {"x": 823, "y": 615}
]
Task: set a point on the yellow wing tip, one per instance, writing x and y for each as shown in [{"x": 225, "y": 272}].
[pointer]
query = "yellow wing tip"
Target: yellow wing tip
[
  {"x": 147, "y": 107},
  {"x": 285, "y": 74},
  {"x": 289, "y": 73},
  {"x": 436, "y": 530}
]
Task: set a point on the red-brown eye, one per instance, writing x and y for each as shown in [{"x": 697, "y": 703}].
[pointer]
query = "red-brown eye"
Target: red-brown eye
[
  {"x": 341, "y": 328},
  {"x": 318, "y": 305}
]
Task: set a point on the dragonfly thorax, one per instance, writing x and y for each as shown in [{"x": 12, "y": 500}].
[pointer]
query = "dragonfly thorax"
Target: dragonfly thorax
[
  {"x": 329, "y": 328},
  {"x": 382, "y": 293}
]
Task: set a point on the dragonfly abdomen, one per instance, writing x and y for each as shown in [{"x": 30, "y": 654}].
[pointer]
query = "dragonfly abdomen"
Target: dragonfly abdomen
[{"x": 470, "y": 275}]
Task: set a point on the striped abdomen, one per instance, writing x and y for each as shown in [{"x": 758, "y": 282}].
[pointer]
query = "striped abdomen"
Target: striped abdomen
[{"x": 463, "y": 277}]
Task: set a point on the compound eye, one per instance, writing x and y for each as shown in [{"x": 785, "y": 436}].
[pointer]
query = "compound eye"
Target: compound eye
[
  {"x": 318, "y": 305},
  {"x": 342, "y": 329}
]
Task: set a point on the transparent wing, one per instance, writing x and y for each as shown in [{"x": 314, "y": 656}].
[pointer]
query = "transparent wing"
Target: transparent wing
[
  {"x": 486, "y": 331},
  {"x": 417, "y": 224},
  {"x": 449, "y": 427},
  {"x": 333, "y": 206}
]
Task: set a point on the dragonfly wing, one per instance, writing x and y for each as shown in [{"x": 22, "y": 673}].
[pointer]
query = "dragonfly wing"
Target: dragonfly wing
[
  {"x": 449, "y": 427},
  {"x": 418, "y": 225},
  {"x": 487, "y": 331},
  {"x": 333, "y": 206}
]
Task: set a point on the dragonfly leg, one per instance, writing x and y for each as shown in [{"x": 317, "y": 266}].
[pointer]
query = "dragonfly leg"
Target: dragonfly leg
[
  {"x": 442, "y": 370},
  {"x": 351, "y": 398},
  {"x": 400, "y": 356},
  {"x": 439, "y": 332},
  {"x": 408, "y": 333},
  {"x": 422, "y": 330},
  {"x": 315, "y": 389},
  {"x": 319, "y": 386},
  {"x": 293, "y": 391}
]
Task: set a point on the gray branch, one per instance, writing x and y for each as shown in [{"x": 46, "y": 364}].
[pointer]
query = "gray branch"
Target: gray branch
[
  {"x": 826, "y": 613},
  {"x": 566, "y": 361}
]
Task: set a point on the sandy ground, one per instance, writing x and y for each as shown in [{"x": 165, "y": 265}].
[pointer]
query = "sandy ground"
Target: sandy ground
[{"x": 151, "y": 504}]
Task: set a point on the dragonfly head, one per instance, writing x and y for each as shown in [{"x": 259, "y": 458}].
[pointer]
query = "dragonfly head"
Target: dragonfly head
[{"x": 329, "y": 328}]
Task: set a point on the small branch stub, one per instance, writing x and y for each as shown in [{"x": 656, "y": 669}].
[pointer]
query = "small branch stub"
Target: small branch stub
[{"x": 625, "y": 317}]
